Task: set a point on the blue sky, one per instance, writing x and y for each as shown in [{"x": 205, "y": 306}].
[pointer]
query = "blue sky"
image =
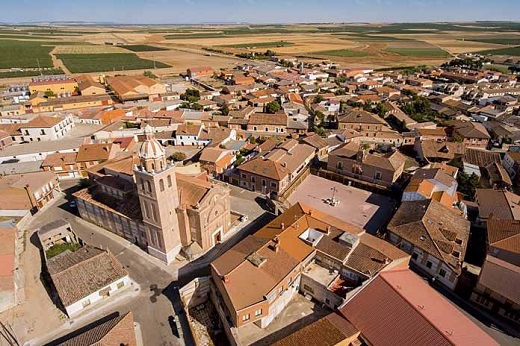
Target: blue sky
[{"x": 257, "y": 11}]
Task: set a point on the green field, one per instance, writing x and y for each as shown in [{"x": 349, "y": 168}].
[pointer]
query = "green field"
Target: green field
[
  {"x": 513, "y": 41},
  {"x": 143, "y": 48},
  {"x": 513, "y": 51},
  {"x": 82, "y": 63},
  {"x": 24, "y": 54},
  {"x": 498, "y": 68},
  {"x": 344, "y": 53},
  {"x": 420, "y": 52},
  {"x": 260, "y": 44},
  {"x": 32, "y": 73}
]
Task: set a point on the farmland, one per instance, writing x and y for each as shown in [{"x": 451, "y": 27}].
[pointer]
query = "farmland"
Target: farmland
[
  {"x": 514, "y": 51},
  {"x": 421, "y": 52},
  {"x": 143, "y": 48},
  {"x": 24, "y": 54},
  {"x": 31, "y": 73},
  {"x": 82, "y": 63},
  {"x": 344, "y": 53},
  {"x": 272, "y": 44}
]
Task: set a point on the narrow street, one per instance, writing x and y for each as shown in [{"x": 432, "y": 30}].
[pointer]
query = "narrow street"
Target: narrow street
[{"x": 153, "y": 307}]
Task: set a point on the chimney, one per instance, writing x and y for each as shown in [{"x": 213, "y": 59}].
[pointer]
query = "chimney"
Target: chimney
[
  {"x": 276, "y": 247},
  {"x": 282, "y": 225},
  {"x": 225, "y": 278},
  {"x": 328, "y": 229},
  {"x": 311, "y": 212}
]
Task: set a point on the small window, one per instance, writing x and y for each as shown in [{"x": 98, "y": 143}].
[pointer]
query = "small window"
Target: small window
[
  {"x": 120, "y": 284},
  {"x": 149, "y": 186},
  {"x": 161, "y": 185},
  {"x": 429, "y": 264},
  {"x": 169, "y": 181},
  {"x": 258, "y": 312},
  {"x": 442, "y": 273},
  {"x": 378, "y": 176},
  {"x": 86, "y": 303},
  {"x": 308, "y": 288},
  {"x": 415, "y": 256},
  {"x": 246, "y": 317}
]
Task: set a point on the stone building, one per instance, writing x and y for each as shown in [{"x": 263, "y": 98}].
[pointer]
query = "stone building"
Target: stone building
[{"x": 145, "y": 200}]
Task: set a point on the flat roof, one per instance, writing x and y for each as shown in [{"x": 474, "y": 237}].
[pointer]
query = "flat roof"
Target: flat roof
[
  {"x": 361, "y": 208},
  {"x": 40, "y": 147}
]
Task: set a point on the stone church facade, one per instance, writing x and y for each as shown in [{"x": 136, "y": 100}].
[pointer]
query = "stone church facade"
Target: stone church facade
[{"x": 145, "y": 200}]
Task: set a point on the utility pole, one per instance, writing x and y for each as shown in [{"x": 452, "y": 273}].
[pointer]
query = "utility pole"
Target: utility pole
[{"x": 39, "y": 68}]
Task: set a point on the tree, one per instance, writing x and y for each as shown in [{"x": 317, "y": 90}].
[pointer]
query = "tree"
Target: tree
[
  {"x": 318, "y": 99},
  {"x": 49, "y": 93},
  {"x": 149, "y": 74},
  {"x": 381, "y": 109},
  {"x": 340, "y": 80},
  {"x": 193, "y": 93},
  {"x": 320, "y": 131},
  {"x": 178, "y": 156},
  {"x": 468, "y": 184},
  {"x": 272, "y": 107}
]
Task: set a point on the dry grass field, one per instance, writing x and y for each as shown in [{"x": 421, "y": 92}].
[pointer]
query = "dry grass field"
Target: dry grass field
[{"x": 377, "y": 46}]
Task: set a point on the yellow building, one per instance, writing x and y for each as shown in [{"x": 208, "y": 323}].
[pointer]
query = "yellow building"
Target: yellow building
[{"x": 58, "y": 86}]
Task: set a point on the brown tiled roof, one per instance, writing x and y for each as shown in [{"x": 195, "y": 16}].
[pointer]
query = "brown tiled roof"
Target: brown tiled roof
[
  {"x": 358, "y": 116},
  {"x": 59, "y": 159},
  {"x": 431, "y": 227},
  {"x": 436, "y": 174},
  {"x": 78, "y": 274},
  {"x": 265, "y": 168},
  {"x": 501, "y": 277},
  {"x": 503, "y": 205},
  {"x": 191, "y": 190},
  {"x": 442, "y": 150},
  {"x": 268, "y": 119},
  {"x": 118, "y": 330},
  {"x": 481, "y": 158},
  {"x": 330, "y": 330},
  {"x": 399, "y": 308},
  {"x": 504, "y": 234},
  {"x": 42, "y": 121},
  {"x": 94, "y": 152},
  {"x": 190, "y": 130},
  {"x": 11, "y": 129},
  {"x": 469, "y": 129},
  {"x": 315, "y": 141},
  {"x": 212, "y": 154}
]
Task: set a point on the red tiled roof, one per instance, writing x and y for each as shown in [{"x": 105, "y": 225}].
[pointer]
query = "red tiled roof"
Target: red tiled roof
[{"x": 399, "y": 308}]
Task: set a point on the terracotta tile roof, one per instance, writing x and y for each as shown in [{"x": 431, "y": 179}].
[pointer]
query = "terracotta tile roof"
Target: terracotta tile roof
[
  {"x": 504, "y": 234},
  {"x": 315, "y": 141},
  {"x": 94, "y": 152},
  {"x": 435, "y": 174},
  {"x": 358, "y": 116},
  {"x": 124, "y": 162},
  {"x": 330, "y": 330},
  {"x": 481, "y": 158},
  {"x": 469, "y": 129},
  {"x": 399, "y": 308},
  {"x": 268, "y": 119},
  {"x": 441, "y": 150},
  {"x": 191, "y": 190},
  {"x": 78, "y": 274},
  {"x": 188, "y": 130},
  {"x": 59, "y": 159},
  {"x": 265, "y": 168},
  {"x": 502, "y": 205},
  {"x": 11, "y": 129},
  {"x": 212, "y": 154},
  {"x": 501, "y": 277},
  {"x": 117, "y": 330},
  {"x": 42, "y": 121},
  {"x": 431, "y": 227}
]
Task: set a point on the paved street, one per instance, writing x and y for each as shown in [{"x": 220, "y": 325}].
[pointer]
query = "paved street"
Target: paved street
[{"x": 153, "y": 306}]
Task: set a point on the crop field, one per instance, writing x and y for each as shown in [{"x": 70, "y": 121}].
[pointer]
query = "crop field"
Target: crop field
[
  {"x": 513, "y": 41},
  {"x": 513, "y": 51},
  {"x": 31, "y": 73},
  {"x": 143, "y": 48},
  {"x": 421, "y": 52},
  {"x": 83, "y": 63},
  {"x": 344, "y": 53},
  {"x": 24, "y": 54},
  {"x": 253, "y": 45},
  {"x": 192, "y": 35},
  {"x": 88, "y": 49}
]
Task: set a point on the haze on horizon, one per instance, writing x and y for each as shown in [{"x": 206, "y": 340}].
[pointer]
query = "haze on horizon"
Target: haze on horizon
[{"x": 258, "y": 11}]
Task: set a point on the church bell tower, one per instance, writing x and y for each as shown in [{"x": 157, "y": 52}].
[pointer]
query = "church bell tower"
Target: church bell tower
[{"x": 159, "y": 199}]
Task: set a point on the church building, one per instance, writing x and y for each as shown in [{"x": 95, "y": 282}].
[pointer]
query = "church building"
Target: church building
[{"x": 146, "y": 200}]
